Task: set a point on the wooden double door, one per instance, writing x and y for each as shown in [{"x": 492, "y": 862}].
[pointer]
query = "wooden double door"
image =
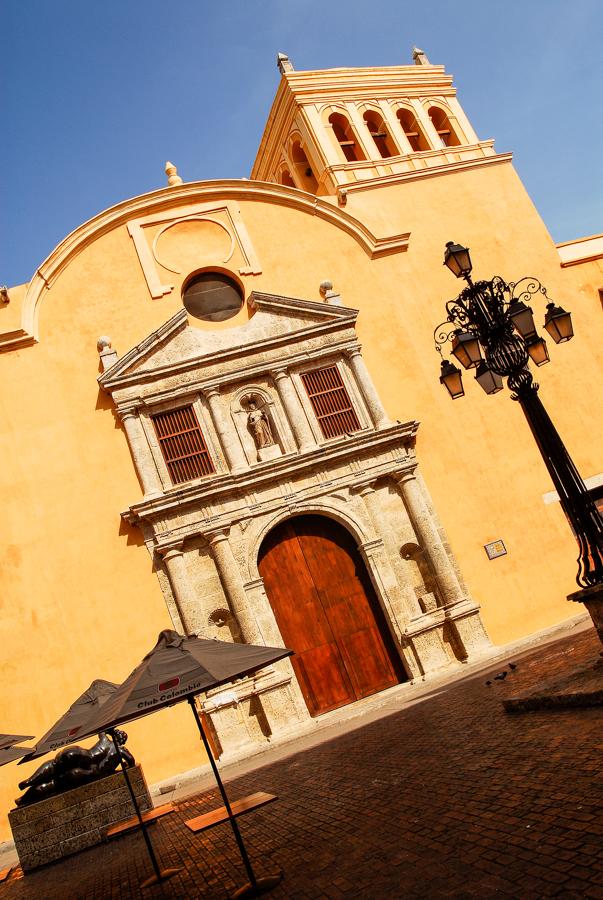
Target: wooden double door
[{"x": 328, "y": 613}]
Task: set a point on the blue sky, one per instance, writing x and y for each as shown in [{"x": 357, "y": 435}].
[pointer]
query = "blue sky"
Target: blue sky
[{"x": 96, "y": 96}]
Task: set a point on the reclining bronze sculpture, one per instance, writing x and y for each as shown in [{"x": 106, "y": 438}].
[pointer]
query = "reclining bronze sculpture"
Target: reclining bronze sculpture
[{"x": 74, "y": 766}]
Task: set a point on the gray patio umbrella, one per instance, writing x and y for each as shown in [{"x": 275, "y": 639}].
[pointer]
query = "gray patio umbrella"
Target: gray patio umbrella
[
  {"x": 67, "y": 729},
  {"x": 9, "y": 754},
  {"x": 71, "y": 727},
  {"x": 176, "y": 669},
  {"x": 8, "y": 740}
]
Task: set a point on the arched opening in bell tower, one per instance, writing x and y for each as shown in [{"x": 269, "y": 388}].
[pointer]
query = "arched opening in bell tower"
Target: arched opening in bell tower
[
  {"x": 442, "y": 125},
  {"x": 286, "y": 179},
  {"x": 380, "y": 134},
  {"x": 303, "y": 169},
  {"x": 412, "y": 130},
  {"x": 346, "y": 138}
]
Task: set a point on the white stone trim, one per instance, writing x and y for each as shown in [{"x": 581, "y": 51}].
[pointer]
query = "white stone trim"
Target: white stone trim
[
  {"x": 594, "y": 481},
  {"x": 384, "y": 446},
  {"x": 208, "y": 212},
  {"x": 581, "y": 250}
]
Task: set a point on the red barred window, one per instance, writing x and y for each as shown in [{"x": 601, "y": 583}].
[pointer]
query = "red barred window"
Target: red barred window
[
  {"x": 330, "y": 401},
  {"x": 182, "y": 444}
]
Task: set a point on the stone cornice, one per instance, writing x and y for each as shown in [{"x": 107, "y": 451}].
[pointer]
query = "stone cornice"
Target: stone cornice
[
  {"x": 371, "y": 184},
  {"x": 108, "y": 378},
  {"x": 331, "y": 319},
  {"x": 378, "y": 77},
  {"x": 316, "y": 309},
  {"x": 394, "y": 437},
  {"x": 12, "y": 340},
  {"x": 173, "y": 197},
  {"x": 202, "y": 386},
  {"x": 581, "y": 250}
]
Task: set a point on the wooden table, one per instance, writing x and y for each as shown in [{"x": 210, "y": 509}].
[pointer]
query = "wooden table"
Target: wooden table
[
  {"x": 149, "y": 816},
  {"x": 239, "y": 808}
]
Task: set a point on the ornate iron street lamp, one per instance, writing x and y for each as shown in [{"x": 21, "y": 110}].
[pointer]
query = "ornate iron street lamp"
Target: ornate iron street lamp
[{"x": 491, "y": 328}]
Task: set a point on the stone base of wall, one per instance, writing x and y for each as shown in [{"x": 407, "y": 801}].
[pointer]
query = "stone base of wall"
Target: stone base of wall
[
  {"x": 259, "y": 709},
  {"x": 70, "y": 822},
  {"x": 470, "y": 634}
]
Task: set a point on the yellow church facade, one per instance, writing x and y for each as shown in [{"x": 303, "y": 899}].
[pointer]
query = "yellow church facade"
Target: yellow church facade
[{"x": 222, "y": 413}]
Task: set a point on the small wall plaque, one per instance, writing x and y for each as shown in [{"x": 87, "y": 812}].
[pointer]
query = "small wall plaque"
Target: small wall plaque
[{"x": 495, "y": 549}]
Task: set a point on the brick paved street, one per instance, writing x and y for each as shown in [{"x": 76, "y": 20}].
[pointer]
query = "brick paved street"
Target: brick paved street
[{"x": 446, "y": 797}]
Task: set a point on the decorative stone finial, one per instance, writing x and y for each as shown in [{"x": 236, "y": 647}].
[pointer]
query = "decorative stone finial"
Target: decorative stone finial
[
  {"x": 284, "y": 63},
  {"x": 328, "y": 294},
  {"x": 419, "y": 57},
  {"x": 102, "y": 343},
  {"x": 4, "y": 298},
  {"x": 106, "y": 352},
  {"x": 172, "y": 173}
]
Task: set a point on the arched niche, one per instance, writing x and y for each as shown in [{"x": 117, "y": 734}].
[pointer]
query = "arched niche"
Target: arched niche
[
  {"x": 420, "y": 575},
  {"x": 259, "y": 424}
]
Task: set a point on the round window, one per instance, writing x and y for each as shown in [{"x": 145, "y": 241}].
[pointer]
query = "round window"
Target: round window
[{"x": 212, "y": 296}]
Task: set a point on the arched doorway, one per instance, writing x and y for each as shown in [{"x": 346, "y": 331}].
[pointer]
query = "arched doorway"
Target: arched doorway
[{"x": 327, "y": 611}]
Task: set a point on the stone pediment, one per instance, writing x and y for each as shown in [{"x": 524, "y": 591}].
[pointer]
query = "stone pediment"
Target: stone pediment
[{"x": 276, "y": 320}]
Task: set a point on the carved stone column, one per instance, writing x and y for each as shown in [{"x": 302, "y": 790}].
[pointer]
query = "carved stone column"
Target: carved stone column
[
  {"x": 382, "y": 529},
  {"x": 421, "y": 634},
  {"x": 362, "y": 132},
  {"x": 289, "y": 707},
  {"x": 461, "y": 612},
  {"x": 226, "y": 431},
  {"x": 141, "y": 454},
  {"x": 294, "y": 410},
  {"x": 395, "y": 128},
  {"x": 429, "y": 539},
  {"x": 374, "y": 555},
  {"x": 427, "y": 125},
  {"x": 230, "y": 576},
  {"x": 367, "y": 388},
  {"x": 173, "y": 558}
]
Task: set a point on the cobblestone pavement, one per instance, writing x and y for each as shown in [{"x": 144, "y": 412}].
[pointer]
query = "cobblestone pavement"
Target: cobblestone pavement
[{"x": 447, "y": 797}]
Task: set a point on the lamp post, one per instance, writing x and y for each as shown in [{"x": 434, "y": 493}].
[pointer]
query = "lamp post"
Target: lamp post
[{"x": 491, "y": 328}]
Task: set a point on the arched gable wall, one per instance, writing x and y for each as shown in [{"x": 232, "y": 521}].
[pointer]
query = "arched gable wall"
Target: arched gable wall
[{"x": 168, "y": 198}]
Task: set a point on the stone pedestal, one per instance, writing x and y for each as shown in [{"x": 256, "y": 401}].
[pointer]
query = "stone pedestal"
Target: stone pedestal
[
  {"x": 273, "y": 451},
  {"x": 76, "y": 819},
  {"x": 252, "y": 712},
  {"x": 592, "y": 598},
  {"x": 470, "y": 633}
]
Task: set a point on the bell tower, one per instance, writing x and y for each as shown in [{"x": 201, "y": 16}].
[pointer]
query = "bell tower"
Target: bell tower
[{"x": 331, "y": 130}]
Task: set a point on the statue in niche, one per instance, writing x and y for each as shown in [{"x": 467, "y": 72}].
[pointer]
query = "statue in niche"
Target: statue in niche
[
  {"x": 259, "y": 425},
  {"x": 74, "y": 766}
]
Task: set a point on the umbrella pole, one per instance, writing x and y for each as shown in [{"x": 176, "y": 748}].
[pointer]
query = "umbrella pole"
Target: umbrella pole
[
  {"x": 256, "y": 886},
  {"x": 160, "y": 874}
]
